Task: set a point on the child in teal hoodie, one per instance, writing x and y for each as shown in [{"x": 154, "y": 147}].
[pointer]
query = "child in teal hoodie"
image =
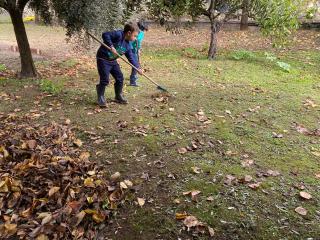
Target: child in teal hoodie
[{"x": 136, "y": 50}]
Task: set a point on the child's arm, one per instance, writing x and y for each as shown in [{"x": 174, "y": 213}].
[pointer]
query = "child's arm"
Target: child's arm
[
  {"x": 140, "y": 39},
  {"x": 132, "y": 60},
  {"x": 110, "y": 37}
]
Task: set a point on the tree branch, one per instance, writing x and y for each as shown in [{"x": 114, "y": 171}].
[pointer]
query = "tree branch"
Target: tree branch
[
  {"x": 3, "y": 5},
  {"x": 21, "y": 4}
]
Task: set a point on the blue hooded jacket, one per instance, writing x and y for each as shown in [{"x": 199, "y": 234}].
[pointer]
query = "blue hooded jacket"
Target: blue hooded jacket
[{"x": 117, "y": 40}]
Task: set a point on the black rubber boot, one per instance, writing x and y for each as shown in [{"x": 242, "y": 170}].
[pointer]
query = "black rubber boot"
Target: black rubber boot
[
  {"x": 119, "y": 97},
  {"x": 100, "y": 92}
]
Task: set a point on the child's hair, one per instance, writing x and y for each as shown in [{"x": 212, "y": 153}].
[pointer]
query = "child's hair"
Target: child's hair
[
  {"x": 130, "y": 27},
  {"x": 143, "y": 26}
]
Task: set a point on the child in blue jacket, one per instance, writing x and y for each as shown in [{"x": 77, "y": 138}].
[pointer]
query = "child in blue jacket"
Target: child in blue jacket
[
  {"x": 119, "y": 42},
  {"x": 136, "y": 49}
]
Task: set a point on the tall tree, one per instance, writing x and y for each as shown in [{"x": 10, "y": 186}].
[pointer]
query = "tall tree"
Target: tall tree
[
  {"x": 77, "y": 16},
  {"x": 276, "y": 17}
]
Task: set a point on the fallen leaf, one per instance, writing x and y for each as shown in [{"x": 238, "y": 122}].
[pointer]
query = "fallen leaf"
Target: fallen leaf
[
  {"x": 305, "y": 195},
  {"x": 42, "y": 237},
  {"x": 210, "y": 199},
  {"x": 89, "y": 182},
  {"x": 84, "y": 156},
  {"x": 128, "y": 183},
  {"x": 181, "y": 216},
  {"x": 229, "y": 179},
  {"x": 46, "y": 220},
  {"x": 98, "y": 217},
  {"x": 254, "y": 186},
  {"x": 80, "y": 217},
  {"x": 68, "y": 121},
  {"x": 191, "y": 221},
  {"x": 211, "y": 231},
  {"x": 78, "y": 143},
  {"x": 123, "y": 185},
  {"x": 247, "y": 163},
  {"x": 31, "y": 144},
  {"x": 273, "y": 173},
  {"x": 141, "y": 201},
  {"x": 196, "y": 170},
  {"x": 53, "y": 190},
  {"x": 115, "y": 176},
  {"x": 182, "y": 150},
  {"x": 317, "y": 175},
  {"x": 302, "y": 211}
]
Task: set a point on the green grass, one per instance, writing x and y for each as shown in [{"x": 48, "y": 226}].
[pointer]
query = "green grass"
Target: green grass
[{"x": 246, "y": 100}]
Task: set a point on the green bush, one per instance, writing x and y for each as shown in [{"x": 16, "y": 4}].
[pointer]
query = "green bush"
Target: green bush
[
  {"x": 2, "y": 67},
  {"x": 242, "y": 55},
  {"x": 286, "y": 67},
  {"x": 49, "y": 86}
]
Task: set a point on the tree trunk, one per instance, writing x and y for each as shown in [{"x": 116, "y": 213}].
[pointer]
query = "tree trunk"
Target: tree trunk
[
  {"x": 244, "y": 16},
  {"x": 27, "y": 65},
  {"x": 215, "y": 28}
]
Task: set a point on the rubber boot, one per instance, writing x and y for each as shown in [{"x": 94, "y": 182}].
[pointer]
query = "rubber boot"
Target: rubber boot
[
  {"x": 119, "y": 97},
  {"x": 100, "y": 93}
]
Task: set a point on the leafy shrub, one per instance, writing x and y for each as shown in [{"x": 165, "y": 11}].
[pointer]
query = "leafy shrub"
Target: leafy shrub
[
  {"x": 286, "y": 67},
  {"x": 2, "y": 67},
  {"x": 51, "y": 87},
  {"x": 242, "y": 55}
]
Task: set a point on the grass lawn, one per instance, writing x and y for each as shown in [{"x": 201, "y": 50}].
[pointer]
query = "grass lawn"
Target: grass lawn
[{"x": 240, "y": 118}]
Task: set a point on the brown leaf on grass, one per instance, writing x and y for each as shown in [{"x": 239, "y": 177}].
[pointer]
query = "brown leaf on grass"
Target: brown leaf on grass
[
  {"x": 210, "y": 198},
  {"x": 193, "y": 194},
  {"x": 317, "y": 175},
  {"x": 182, "y": 150},
  {"x": 302, "y": 211},
  {"x": 307, "y": 132},
  {"x": 309, "y": 103},
  {"x": 229, "y": 180},
  {"x": 272, "y": 173},
  {"x": 196, "y": 170},
  {"x": 191, "y": 221},
  {"x": 302, "y": 129},
  {"x": 305, "y": 195},
  {"x": 211, "y": 231},
  {"x": 141, "y": 201},
  {"x": 254, "y": 186},
  {"x": 246, "y": 179},
  {"x": 181, "y": 216},
  {"x": 247, "y": 163}
]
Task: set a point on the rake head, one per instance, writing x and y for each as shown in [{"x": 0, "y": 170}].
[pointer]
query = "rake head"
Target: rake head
[{"x": 162, "y": 89}]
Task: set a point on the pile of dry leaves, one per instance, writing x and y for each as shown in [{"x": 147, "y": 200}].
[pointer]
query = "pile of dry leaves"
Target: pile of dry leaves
[{"x": 48, "y": 187}]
